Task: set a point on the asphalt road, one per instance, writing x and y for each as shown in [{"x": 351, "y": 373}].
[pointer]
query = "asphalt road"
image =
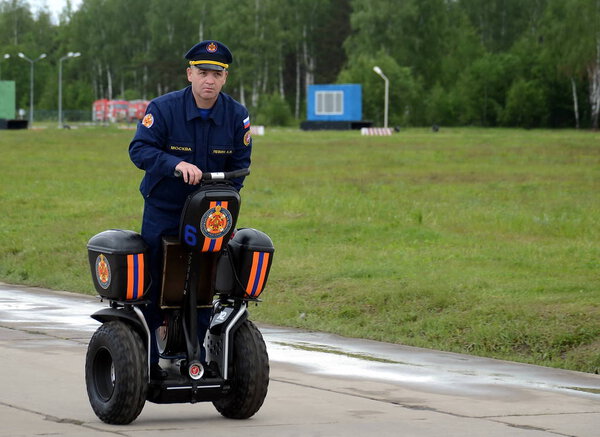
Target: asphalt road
[{"x": 321, "y": 385}]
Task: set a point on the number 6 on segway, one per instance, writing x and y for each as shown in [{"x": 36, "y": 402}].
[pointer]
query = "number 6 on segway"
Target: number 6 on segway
[{"x": 209, "y": 264}]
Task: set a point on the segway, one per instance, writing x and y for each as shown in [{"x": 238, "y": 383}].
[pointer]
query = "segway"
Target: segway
[{"x": 210, "y": 264}]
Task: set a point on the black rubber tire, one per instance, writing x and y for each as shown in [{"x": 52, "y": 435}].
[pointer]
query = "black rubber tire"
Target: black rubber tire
[
  {"x": 249, "y": 374},
  {"x": 169, "y": 336},
  {"x": 116, "y": 373}
]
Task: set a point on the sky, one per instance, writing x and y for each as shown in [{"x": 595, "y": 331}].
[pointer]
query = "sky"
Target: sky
[{"x": 55, "y": 6}]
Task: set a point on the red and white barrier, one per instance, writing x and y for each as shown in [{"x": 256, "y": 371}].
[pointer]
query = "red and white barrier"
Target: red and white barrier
[{"x": 379, "y": 131}]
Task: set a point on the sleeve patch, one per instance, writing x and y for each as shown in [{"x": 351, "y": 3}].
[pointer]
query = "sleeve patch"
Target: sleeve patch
[
  {"x": 247, "y": 138},
  {"x": 246, "y": 122},
  {"x": 148, "y": 120}
]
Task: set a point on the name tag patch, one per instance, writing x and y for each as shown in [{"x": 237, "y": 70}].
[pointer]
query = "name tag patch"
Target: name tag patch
[
  {"x": 222, "y": 151},
  {"x": 180, "y": 148}
]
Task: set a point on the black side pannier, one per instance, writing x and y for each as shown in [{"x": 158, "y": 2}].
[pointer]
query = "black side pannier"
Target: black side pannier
[
  {"x": 118, "y": 261},
  {"x": 249, "y": 257}
]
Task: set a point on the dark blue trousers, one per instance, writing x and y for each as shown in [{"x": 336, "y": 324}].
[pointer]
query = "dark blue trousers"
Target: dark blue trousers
[{"x": 158, "y": 222}]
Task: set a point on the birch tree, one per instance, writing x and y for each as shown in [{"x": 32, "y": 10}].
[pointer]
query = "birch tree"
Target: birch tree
[{"x": 573, "y": 37}]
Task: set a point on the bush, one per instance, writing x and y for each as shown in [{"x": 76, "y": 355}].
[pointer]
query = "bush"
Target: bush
[
  {"x": 525, "y": 105},
  {"x": 441, "y": 107},
  {"x": 484, "y": 86},
  {"x": 273, "y": 110}
]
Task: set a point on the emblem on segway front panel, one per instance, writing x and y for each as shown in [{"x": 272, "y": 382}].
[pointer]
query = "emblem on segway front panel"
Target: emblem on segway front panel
[
  {"x": 216, "y": 222},
  {"x": 196, "y": 371},
  {"x": 103, "y": 271}
]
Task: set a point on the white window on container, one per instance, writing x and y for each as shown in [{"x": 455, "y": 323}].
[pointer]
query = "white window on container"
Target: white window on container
[{"x": 330, "y": 102}]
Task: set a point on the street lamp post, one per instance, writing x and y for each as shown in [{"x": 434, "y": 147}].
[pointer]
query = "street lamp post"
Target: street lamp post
[
  {"x": 31, "y": 61},
  {"x": 377, "y": 70},
  {"x": 68, "y": 55},
  {"x": 6, "y": 56}
]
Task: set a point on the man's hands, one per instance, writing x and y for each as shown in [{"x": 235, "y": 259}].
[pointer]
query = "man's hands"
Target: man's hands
[{"x": 189, "y": 172}]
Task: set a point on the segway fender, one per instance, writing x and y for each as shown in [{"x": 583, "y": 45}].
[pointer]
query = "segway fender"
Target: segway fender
[
  {"x": 110, "y": 314},
  {"x": 222, "y": 322},
  {"x": 220, "y": 336},
  {"x": 133, "y": 318}
]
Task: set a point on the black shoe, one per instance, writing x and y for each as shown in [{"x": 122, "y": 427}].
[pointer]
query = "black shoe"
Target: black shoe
[{"x": 157, "y": 372}]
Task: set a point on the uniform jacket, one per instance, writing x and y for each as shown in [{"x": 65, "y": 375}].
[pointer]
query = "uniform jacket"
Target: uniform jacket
[{"x": 173, "y": 131}]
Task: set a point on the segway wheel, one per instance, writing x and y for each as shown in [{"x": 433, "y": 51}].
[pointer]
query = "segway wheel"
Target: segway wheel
[
  {"x": 116, "y": 373},
  {"x": 249, "y": 374}
]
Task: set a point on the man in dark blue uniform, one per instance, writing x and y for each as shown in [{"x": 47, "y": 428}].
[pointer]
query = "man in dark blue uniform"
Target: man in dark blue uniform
[{"x": 194, "y": 130}]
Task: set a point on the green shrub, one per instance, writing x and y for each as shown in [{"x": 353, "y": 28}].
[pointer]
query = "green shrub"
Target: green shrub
[
  {"x": 525, "y": 105},
  {"x": 273, "y": 110}
]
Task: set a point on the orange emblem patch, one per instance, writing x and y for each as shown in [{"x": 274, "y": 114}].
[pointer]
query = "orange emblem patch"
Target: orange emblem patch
[
  {"x": 247, "y": 138},
  {"x": 216, "y": 222},
  {"x": 103, "y": 271},
  {"x": 148, "y": 120}
]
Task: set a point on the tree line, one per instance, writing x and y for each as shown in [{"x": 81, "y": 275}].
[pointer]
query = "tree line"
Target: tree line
[{"x": 533, "y": 63}]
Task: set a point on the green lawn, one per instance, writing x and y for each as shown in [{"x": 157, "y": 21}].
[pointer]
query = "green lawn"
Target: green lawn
[{"x": 484, "y": 241}]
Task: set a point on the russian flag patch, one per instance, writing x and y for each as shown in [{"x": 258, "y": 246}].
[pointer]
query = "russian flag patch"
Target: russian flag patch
[{"x": 246, "y": 122}]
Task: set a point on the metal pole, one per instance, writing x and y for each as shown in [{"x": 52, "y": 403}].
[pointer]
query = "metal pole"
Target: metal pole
[
  {"x": 387, "y": 101},
  {"x": 31, "y": 61},
  {"x": 31, "y": 95},
  {"x": 60, "y": 92},
  {"x": 378, "y": 70},
  {"x": 60, "y": 114}
]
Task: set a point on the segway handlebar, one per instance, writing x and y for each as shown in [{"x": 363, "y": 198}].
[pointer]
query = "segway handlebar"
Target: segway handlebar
[{"x": 219, "y": 176}]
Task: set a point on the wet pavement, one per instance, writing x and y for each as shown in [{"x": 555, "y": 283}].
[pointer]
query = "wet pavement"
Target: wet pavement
[{"x": 332, "y": 385}]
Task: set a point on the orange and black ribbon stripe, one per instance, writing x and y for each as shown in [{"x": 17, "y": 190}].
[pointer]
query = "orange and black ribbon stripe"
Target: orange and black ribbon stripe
[
  {"x": 135, "y": 276},
  {"x": 258, "y": 273}
]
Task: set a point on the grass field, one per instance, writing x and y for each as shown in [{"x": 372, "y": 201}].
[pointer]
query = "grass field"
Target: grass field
[{"x": 469, "y": 240}]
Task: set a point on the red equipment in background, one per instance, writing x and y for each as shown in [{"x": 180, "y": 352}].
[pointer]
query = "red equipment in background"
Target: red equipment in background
[
  {"x": 118, "y": 111},
  {"x": 137, "y": 109},
  {"x": 100, "y": 110}
]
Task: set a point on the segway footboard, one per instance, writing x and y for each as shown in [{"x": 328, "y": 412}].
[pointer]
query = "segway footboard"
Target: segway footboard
[
  {"x": 180, "y": 388},
  {"x": 186, "y": 391}
]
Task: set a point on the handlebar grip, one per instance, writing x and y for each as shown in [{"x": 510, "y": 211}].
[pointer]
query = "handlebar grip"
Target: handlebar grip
[
  {"x": 228, "y": 175},
  {"x": 219, "y": 175}
]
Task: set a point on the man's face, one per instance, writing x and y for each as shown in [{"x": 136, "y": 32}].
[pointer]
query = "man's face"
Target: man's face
[{"x": 206, "y": 85}]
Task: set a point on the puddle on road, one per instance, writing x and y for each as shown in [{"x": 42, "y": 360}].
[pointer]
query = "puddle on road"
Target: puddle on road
[
  {"x": 595, "y": 391},
  {"x": 320, "y": 353},
  {"x": 331, "y": 350},
  {"x": 325, "y": 360},
  {"x": 47, "y": 312}
]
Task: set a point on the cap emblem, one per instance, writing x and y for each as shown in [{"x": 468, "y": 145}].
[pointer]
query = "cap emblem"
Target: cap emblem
[{"x": 211, "y": 48}]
